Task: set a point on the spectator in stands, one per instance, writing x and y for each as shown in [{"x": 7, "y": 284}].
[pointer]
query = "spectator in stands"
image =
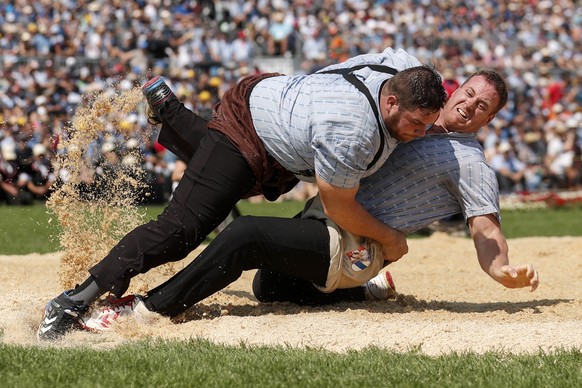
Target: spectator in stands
[
  {"x": 8, "y": 189},
  {"x": 573, "y": 150},
  {"x": 64, "y": 51},
  {"x": 42, "y": 175},
  {"x": 450, "y": 80},
  {"x": 338, "y": 46},
  {"x": 560, "y": 154},
  {"x": 279, "y": 36},
  {"x": 12, "y": 181},
  {"x": 509, "y": 170}
]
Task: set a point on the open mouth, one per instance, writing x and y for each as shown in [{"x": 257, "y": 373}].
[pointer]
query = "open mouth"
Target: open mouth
[{"x": 463, "y": 113}]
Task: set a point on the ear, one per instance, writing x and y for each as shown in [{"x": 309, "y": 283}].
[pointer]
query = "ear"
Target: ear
[
  {"x": 489, "y": 120},
  {"x": 391, "y": 101}
]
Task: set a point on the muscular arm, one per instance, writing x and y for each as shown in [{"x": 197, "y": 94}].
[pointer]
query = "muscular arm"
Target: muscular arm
[
  {"x": 341, "y": 206},
  {"x": 492, "y": 252}
]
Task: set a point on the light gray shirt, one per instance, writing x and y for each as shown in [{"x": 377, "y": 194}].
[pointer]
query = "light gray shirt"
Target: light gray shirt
[
  {"x": 322, "y": 123},
  {"x": 431, "y": 178}
]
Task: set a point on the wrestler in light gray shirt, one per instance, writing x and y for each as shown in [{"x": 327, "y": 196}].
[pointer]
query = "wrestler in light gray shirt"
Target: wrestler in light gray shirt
[
  {"x": 321, "y": 123},
  {"x": 431, "y": 178}
]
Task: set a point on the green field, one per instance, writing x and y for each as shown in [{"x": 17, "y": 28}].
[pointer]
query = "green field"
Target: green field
[
  {"x": 32, "y": 229},
  {"x": 199, "y": 363}
]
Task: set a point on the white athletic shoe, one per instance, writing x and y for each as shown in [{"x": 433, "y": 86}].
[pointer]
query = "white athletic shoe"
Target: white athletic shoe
[
  {"x": 380, "y": 287},
  {"x": 102, "y": 318}
]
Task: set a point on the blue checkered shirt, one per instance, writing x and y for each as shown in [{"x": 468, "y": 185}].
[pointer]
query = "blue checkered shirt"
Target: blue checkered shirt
[{"x": 431, "y": 178}]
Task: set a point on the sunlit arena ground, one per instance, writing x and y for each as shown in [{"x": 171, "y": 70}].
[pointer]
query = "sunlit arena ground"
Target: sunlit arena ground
[{"x": 446, "y": 304}]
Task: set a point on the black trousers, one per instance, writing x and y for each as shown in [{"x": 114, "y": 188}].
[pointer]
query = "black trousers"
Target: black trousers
[
  {"x": 273, "y": 286},
  {"x": 217, "y": 176},
  {"x": 291, "y": 254}
]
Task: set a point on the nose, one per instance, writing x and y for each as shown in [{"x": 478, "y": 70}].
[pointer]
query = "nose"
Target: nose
[
  {"x": 471, "y": 103},
  {"x": 419, "y": 131}
]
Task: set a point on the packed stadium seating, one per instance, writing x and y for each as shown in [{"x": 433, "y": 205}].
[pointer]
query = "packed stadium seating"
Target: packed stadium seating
[{"x": 52, "y": 54}]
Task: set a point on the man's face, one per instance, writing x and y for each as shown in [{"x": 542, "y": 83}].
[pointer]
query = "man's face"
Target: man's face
[
  {"x": 408, "y": 125},
  {"x": 471, "y": 106}
]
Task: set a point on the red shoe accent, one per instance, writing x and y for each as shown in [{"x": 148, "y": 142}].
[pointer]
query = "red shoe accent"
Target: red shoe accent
[
  {"x": 150, "y": 82},
  {"x": 390, "y": 280}
]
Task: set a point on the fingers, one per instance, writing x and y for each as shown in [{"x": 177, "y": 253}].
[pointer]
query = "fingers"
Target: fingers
[
  {"x": 510, "y": 271},
  {"x": 534, "y": 280},
  {"x": 522, "y": 276},
  {"x": 533, "y": 276},
  {"x": 395, "y": 250}
]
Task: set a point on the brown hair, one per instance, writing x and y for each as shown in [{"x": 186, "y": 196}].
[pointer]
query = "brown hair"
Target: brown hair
[
  {"x": 417, "y": 87},
  {"x": 495, "y": 79}
]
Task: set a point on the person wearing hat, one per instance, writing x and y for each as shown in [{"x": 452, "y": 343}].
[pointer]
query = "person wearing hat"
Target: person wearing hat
[
  {"x": 278, "y": 35},
  {"x": 205, "y": 104}
]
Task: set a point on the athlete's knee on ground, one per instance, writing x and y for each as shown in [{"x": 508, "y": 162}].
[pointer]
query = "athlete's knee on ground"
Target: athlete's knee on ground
[{"x": 263, "y": 290}]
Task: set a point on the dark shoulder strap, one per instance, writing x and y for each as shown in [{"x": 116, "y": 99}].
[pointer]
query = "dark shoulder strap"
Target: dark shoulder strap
[
  {"x": 348, "y": 74},
  {"x": 378, "y": 68}
]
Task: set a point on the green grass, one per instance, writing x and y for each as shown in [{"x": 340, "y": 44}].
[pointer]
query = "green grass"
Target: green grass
[
  {"x": 564, "y": 221},
  {"x": 198, "y": 363},
  {"x": 27, "y": 229},
  {"x": 275, "y": 209},
  {"x": 31, "y": 229}
]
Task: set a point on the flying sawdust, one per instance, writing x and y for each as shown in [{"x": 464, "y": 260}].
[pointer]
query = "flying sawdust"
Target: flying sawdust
[{"x": 95, "y": 203}]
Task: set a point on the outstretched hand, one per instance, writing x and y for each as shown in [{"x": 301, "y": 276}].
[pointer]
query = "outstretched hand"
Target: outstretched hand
[{"x": 518, "y": 276}]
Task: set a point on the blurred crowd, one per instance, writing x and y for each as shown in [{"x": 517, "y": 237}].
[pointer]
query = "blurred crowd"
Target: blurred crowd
[{"x": 55, "y": 54}]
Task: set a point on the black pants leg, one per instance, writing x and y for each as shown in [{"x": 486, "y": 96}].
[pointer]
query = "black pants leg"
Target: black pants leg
[
  {"x": 274, "y": 286},
  {"x": 217, "y": 176},
  {"x": 297, "y": 247},
  {"x": 182, "y": 130}
]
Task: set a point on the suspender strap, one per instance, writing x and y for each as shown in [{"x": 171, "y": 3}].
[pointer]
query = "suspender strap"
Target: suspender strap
[
  {"x": 347, "y": 73},
  {"x": 351, "y": 78},
  {"x": 378, "y": 68}
]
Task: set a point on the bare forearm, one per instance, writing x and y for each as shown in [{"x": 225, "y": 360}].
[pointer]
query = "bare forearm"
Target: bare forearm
[
  {"x": 342, "y": 207},
  {"x": 492, "y": 252},
  {"x": 354, "y": 218}
]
